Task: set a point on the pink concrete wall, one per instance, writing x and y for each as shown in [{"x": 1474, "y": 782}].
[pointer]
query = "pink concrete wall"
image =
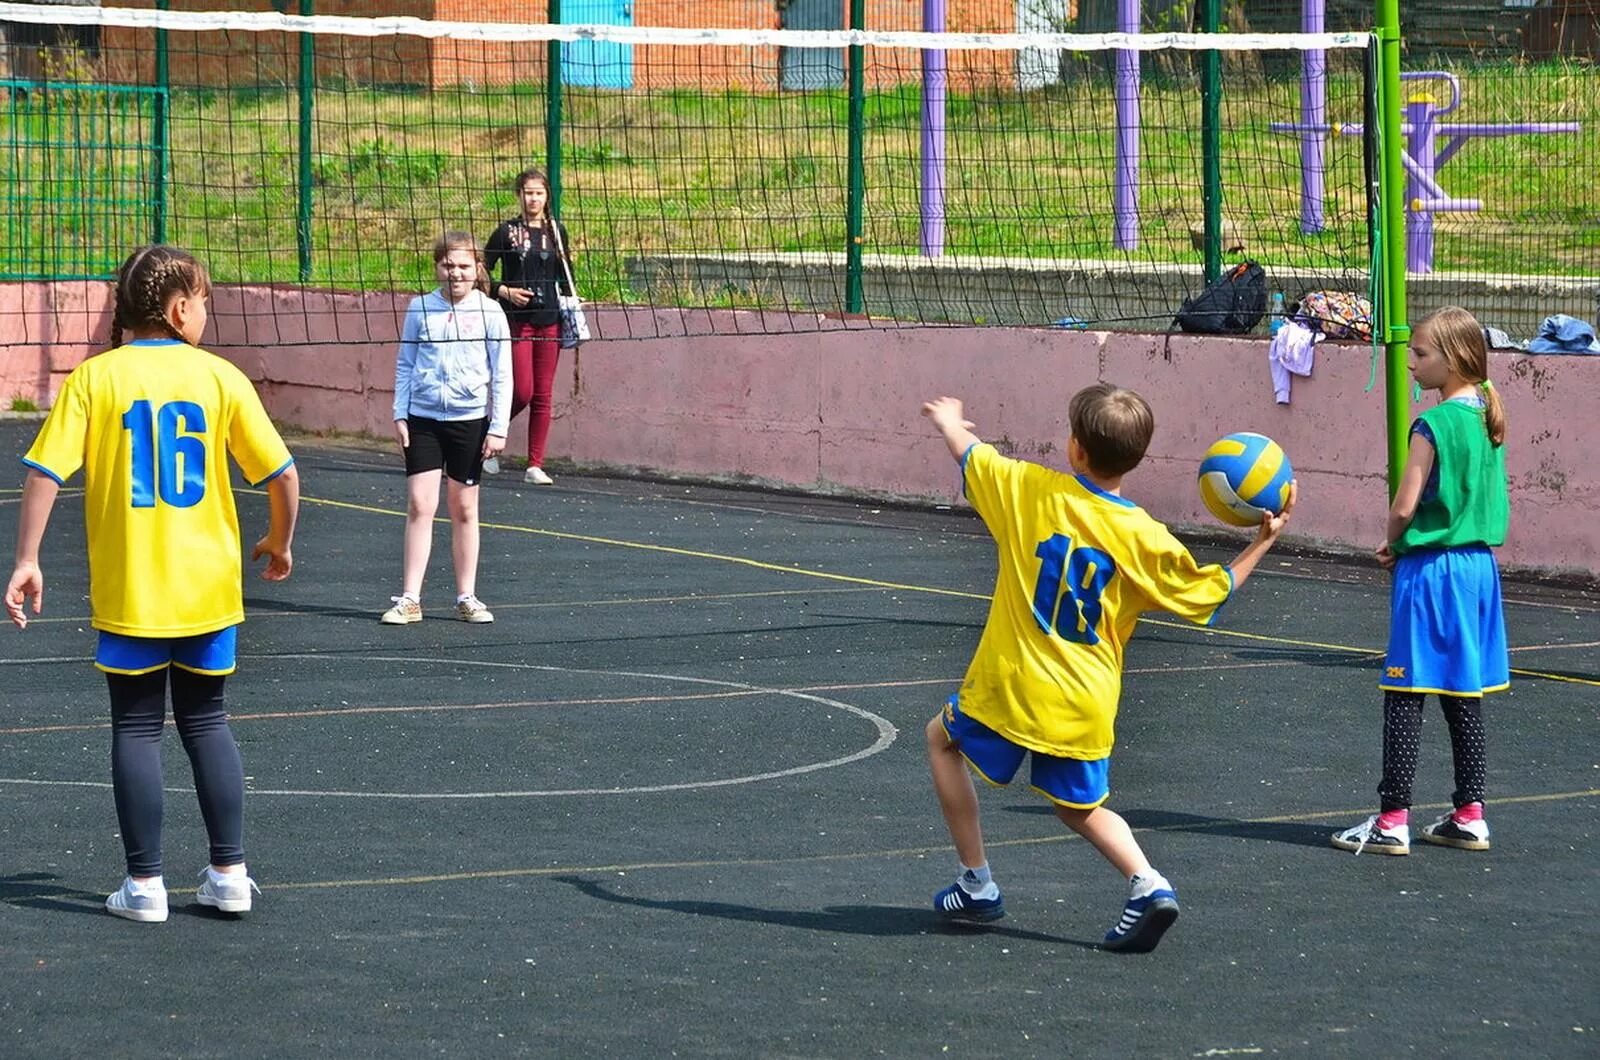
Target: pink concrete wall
[{"x": 837, "y": 409}]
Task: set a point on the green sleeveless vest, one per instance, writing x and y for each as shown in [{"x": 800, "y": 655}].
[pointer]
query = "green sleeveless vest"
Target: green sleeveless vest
[{"x": 1472, "y": 506}]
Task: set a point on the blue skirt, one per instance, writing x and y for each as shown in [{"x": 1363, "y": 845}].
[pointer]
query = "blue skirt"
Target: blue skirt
[{"x": 1447, "y": 629}]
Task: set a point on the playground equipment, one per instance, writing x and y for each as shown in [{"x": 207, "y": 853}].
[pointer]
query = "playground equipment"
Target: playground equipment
[{"x": 1423, "y": 156}]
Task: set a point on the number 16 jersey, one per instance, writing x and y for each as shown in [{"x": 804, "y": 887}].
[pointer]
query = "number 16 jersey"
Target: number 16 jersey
[
  {"x": 152, "y": 424},
  {"x": 1077, "y": 565}
]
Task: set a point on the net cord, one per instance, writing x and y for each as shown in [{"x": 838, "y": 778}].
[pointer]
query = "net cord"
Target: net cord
[{"x": 407, "y": 26}]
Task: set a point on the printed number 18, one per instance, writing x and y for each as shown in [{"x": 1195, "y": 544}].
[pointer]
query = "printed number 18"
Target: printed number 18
[
  {"x": 1083, "y": 573},
  {"x": 157, "y": 444}
]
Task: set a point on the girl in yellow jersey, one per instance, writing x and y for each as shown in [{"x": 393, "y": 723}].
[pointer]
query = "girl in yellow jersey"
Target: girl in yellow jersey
[{"x": 152, "y": 424}]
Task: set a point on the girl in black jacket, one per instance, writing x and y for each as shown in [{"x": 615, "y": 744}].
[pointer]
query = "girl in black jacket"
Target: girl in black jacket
[{"x": 526, "y": 253}]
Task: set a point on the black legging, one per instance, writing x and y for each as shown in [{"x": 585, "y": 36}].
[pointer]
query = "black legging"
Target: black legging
[
  {"x": 138, "y": 712},
  {"x": 1402, "y": 732}
]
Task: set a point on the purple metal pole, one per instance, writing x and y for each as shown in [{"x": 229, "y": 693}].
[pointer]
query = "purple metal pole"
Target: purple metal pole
[
  {"x": 1420, "y": 145},
  {"x": 1313, "y": 112},
  {"x": 933, "y": 90},
  {"x": 1125, "y": 201}
]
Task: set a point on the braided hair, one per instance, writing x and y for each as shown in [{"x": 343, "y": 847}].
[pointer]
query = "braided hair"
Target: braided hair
[{"x": 147, "y": 281}]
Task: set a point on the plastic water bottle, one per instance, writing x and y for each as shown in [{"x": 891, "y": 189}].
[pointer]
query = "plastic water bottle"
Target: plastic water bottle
[{"x": 1275, "y": 317}]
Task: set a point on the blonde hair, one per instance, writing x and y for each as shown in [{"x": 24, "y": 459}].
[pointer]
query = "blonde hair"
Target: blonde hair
[
  {"x": 1462, "y": 343},
  {"x": 1113, "y": 424},
  {"x": 458, "y": 240},
  {"x": 149, "y": 278}
]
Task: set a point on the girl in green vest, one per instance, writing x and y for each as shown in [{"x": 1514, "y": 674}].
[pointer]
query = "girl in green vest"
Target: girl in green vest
[{"x": 1447, "y": 630}]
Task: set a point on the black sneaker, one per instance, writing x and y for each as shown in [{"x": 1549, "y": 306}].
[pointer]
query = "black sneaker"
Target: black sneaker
[
  {"x": 1448, "y": 832},
  {"x": 1368, "y": 836}
]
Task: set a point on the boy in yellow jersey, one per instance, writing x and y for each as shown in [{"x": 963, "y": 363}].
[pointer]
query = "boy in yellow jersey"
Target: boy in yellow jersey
[
  {"x": 152, "y": 424},
  {"x": 1077, "y": 565}
]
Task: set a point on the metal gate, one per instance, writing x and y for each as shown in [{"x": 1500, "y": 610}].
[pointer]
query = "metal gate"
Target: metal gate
[
  {"x": 597, "y": 64},
  {"x": 807, "y": 68}
]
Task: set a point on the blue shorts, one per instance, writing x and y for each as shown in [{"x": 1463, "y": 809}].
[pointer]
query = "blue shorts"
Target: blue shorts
[
  {"x": 1071, "y": 782},
  {"x": 204, "y": 653},
  {"x": 1447, "y": 629}
]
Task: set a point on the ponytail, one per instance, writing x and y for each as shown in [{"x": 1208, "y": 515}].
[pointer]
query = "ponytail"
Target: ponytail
[{"x": 1494, "y": 413}]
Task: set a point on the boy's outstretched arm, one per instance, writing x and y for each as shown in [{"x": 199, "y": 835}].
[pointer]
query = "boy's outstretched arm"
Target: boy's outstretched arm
[
  {"x": 1266, "y": 537},
  {"x": 949, "y": 417},
  {"x": 283, "y": 497},
  {"x": 27, "y": 581}
]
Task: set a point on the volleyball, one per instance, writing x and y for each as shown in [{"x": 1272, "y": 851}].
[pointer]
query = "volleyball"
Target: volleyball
[{"x": 1244, "y": 476}]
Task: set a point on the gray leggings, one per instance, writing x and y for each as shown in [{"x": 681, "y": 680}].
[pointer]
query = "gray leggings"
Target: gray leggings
[
  {"x": 138, "y": 714},
  {"x": 1402, "y": 733}
]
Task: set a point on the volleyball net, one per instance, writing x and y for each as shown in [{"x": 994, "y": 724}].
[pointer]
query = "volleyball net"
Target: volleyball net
[{"x": 712, "y": 180}]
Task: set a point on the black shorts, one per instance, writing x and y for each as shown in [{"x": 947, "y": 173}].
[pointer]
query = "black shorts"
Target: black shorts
[{"x": 454, "y": 445}]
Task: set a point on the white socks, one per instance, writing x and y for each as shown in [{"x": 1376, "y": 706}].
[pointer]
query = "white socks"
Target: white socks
[
  {"x": 978, "y": 882},
  {"x": 1146, "y": 883}
]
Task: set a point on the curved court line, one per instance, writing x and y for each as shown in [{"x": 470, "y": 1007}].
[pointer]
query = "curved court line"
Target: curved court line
[
  {"x": 526, "y": 704},
  {"x": 856, "y": 855},
  {"x": 885, "y": 729}
]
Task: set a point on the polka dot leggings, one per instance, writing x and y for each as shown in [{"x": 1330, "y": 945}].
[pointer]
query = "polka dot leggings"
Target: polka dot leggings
[{"x": 1402, "y": 733}]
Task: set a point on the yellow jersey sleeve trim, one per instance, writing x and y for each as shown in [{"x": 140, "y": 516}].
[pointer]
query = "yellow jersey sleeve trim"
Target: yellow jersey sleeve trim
[
  {"x": 287, "y": 464},
  {"x": 1216, "y": 612},
  {"x": 46, "y": 472}
]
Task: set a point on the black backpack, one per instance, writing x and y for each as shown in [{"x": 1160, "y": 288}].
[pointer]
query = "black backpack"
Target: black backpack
[{"x": 1232, "y": 305}]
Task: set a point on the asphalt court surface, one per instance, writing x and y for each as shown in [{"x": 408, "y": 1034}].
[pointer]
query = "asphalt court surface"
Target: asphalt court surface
[{"x": 674, "y": 801}]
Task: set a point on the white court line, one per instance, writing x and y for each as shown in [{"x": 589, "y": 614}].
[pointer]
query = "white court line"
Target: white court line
[{"x": 886, "y": 736}]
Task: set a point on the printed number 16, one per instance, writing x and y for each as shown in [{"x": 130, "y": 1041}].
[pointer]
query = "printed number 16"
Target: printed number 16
[
  {"x": 156, "y": 448},
  {"x": 1083, "y": 573}
]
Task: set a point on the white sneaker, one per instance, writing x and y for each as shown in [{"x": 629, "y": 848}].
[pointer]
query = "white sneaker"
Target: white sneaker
[
  {"x": 491, "y": 466},
  {"x": 146, "y": 903},
  {"x": 229, "y": 894},
  {"x": 472, "y": 610},
  {"x": 535, "y": 476},
  {"x": 404, "y": 612},
  {"x": 1369, "y": 836}
]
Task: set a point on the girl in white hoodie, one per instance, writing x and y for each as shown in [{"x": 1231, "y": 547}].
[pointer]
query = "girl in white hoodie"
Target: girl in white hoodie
[{"x": 452, "y": 403}]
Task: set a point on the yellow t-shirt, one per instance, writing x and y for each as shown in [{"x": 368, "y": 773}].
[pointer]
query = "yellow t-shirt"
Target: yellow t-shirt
[
  {"x": 1077, "y": 566},
  {"x": 152, "y": 424}
]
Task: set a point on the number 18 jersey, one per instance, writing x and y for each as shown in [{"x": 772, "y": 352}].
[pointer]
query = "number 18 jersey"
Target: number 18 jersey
[
  {"x": 1077, "y": 565},
  {"x": 152, "y": 425}
]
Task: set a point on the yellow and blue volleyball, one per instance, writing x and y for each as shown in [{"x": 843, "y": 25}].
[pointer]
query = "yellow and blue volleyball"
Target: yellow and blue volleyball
[{"x": 1244, "y": 476}]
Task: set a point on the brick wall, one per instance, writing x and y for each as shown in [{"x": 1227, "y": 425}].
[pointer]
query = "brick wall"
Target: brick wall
[
  {"x": 270, "y": 59},
  {"x": 267, "y": 59}
]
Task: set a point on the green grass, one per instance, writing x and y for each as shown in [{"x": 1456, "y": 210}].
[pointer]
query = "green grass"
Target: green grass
[
  {"x": 23, "y": 404},
  {"x": 676, "y": 171}
]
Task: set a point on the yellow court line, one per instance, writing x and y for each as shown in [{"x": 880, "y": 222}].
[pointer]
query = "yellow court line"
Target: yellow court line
[
  {"x": 630, "y": 601},
  {"x": 671, "y": 550},
  {"x": 852, "y": 579},
  {"x": 813, "y": 859}
]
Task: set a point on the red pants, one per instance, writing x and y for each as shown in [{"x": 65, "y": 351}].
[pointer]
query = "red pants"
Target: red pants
[{"x": 534, "y": 351}]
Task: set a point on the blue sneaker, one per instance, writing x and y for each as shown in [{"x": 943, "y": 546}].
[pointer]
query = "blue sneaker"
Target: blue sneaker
[
  {"x": 956, "y": 905},
  {"x": 1144, "y": 921}
]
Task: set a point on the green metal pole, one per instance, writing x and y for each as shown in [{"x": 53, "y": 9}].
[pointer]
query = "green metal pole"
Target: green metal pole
[
  {"x": 308, "y": 92},
  {"x": 1211, "y": 141},
  {"x": 1391, "y": 190},
  {"x": 158, "y": 147},
  {"x": 552, "y": 114},
  {"x": 855, "y": 209}
]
